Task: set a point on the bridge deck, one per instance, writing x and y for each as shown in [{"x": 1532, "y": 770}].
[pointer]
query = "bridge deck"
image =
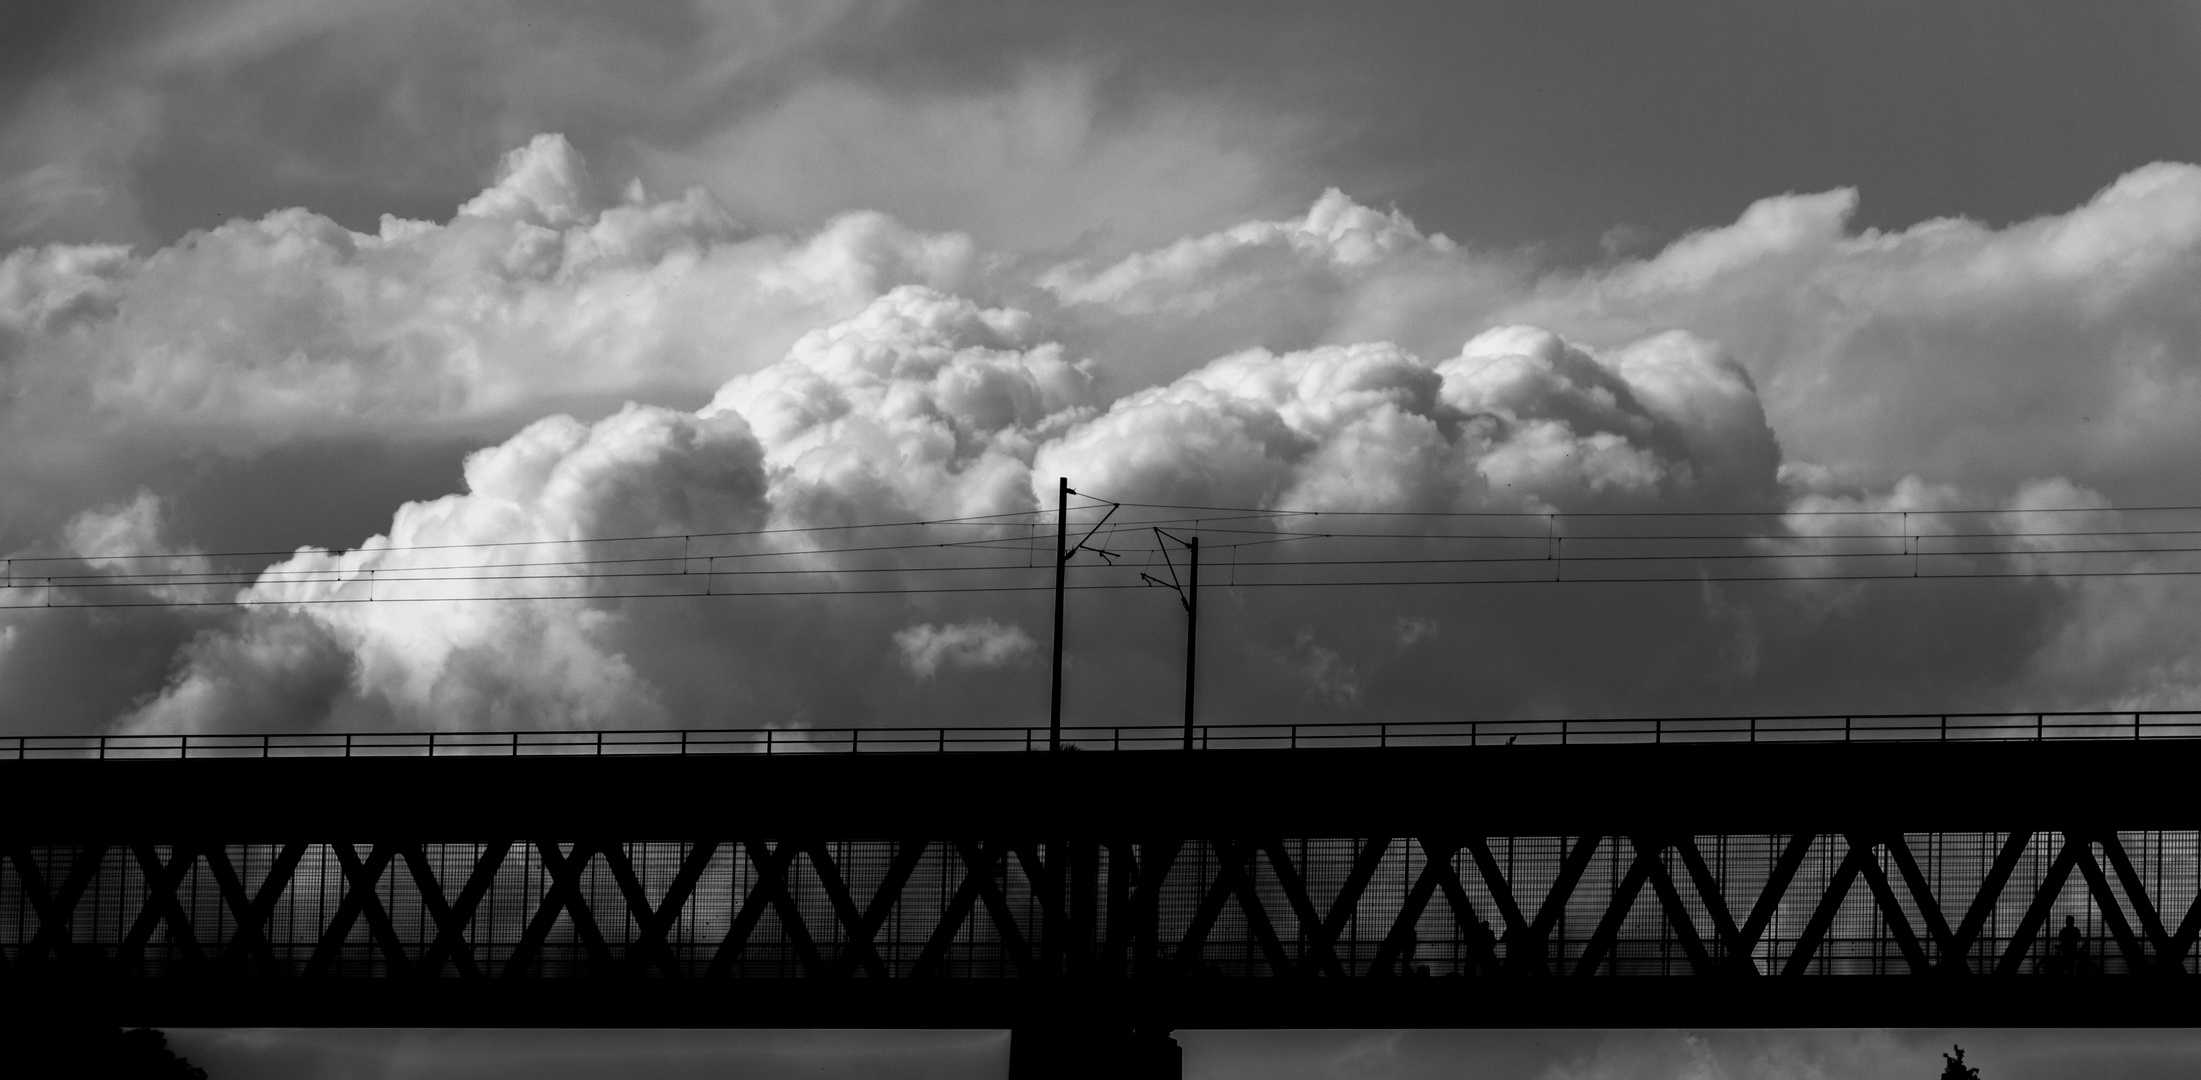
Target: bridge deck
[{"x": 1692, "y": 884}]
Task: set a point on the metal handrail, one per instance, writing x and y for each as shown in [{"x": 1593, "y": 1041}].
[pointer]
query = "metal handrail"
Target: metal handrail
[{"x": 1853, "y": 727}]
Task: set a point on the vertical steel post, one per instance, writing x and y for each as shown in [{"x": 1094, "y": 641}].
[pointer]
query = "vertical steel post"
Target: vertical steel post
[
  {"x": 1062, "y": 562},
  {"x": 1192, "y": 636}
]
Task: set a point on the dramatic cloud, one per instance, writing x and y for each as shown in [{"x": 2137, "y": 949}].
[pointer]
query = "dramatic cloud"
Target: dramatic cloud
[
  {"x": 291, "y": 331},
  {"x": 753, "y": 407},
  {"x": 2066, "y": 345}
]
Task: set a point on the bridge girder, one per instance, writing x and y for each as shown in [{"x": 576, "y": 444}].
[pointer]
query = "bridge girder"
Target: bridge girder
[{"x": 1738, "y": 885}]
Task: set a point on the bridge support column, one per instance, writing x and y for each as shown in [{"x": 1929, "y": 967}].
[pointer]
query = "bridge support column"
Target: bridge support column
[{"x": 1097, "y": 1052}]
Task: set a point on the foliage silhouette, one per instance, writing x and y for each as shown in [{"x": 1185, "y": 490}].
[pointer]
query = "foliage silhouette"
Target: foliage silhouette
[
  {"x": 82, "y": 1050},
  {"x": 1953, "y": 1068}
]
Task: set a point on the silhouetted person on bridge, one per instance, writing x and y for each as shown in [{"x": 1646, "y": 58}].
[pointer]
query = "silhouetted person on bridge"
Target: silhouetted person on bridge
[
  {"x": 1406, "y": 955},
  {"x": 1485, "y": 945},
  {"x": 1523, "y": 958},
  {"x": 2069, "y": 956}
]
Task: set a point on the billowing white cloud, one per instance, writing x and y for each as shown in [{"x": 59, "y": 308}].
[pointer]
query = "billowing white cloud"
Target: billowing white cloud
[
  {"x": 1518, "y": 420},
  {"x": 1342, "y": 361},
  {"x": 408, "y": 655},
  {"x": 290, "y": 332},
  {"x": 922, "y": 404},
  {"x": 530, "y": 296}
]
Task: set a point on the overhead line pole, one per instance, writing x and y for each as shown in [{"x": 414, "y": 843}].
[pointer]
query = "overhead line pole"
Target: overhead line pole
[
  {"x": 1062, "y": 563},
  {"x": 1192, "y": 636}
]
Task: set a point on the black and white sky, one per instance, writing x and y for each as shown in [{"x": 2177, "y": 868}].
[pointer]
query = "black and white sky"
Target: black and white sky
[{"x": 365, "y": 287}]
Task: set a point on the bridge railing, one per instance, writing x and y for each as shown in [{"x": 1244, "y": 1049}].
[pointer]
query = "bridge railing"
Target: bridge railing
[{"x": 1882, "y": 727}]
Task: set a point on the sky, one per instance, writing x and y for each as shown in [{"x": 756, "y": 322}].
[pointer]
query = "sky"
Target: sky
[{"x": 305, "y": 303}]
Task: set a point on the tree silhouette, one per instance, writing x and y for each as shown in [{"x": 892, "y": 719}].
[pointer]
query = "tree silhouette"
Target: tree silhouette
[
  {"x": 87, "y": 1051},
  {"x": 1954, "y": 1067}
]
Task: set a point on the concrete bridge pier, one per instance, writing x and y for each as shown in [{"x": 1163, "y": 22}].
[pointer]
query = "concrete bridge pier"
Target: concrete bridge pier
[{"x": 1093, "y": 1052}]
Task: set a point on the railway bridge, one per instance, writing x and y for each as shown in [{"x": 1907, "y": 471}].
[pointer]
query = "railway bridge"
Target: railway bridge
[{"x": 1798, "y": 871}]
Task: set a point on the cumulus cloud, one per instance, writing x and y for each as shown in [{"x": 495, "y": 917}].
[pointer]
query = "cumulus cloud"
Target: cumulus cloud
[
  {"x": 643, "y": 367},
  {"x": 2058, "y": 346},
  {"x": 422, "y": 656},
  {"x": 530, "y": 296},
  {"x": 923, "y": 403},
  {"x": 291, "y": 333},
  {"x": 982, "y": 643},
  {"x": 1519, "y": 419}
]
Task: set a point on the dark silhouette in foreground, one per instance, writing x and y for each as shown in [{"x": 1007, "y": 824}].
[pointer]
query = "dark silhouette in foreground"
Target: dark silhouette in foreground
[
  {"x": 74, "y": 1051},
  {"x": 1953, "y": 1068},
  {"x": 2070, "y": 956}
]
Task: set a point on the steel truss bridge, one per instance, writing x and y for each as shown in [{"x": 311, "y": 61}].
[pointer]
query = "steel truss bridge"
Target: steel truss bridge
[{"x": 1713, "y": 883}]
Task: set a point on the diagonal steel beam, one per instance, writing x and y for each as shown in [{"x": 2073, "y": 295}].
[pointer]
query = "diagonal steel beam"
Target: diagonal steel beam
[
  {"x": 1983, "y": 905},
  {"x": 655, "y": 923},
  {"x": 1929, "y": 907},
  {"x": 1891, "y": 912},
  {"x": 1365, "y": 863},
  {"x": 34, "y": 889},
  {"x": 774, "y": 887},
  {"x": 55, "y": 909},
  {"x": 657, "y": 937},
  {"x": 161, "y": 906},
  {"x": 250, "y": 939},
  {"x": 360, "y": 879},
  {"x": 1669, "y": 898},
  {"x": 2112, "y": 912},
  {"x": 1815, "y": 931},
  {"x": 1616, "y": 912},
  {"x": 1321, "y": 932},
  {"x": 1555, "y": 905},
  {"x": 451, "y": 944},
  {"x": 1738, "y": 959},
  {"x": 981, "y": 860},
  {"x": 1501, "y": 891},
  {"x": 853, "y": 954},
  {"x": 565, "y": 870},
  {"x": 564, "y": 895},
  {"x": 1769, "y": 898},
  {"x": 863, "y": 930},
  {"x": 2151, "y": 921},
  {"x": 1311, "y": 959},
  {"x": 2044, "y": 899},
  {"x": 1046, "y": 878},
  {"x": 379, "y": 926},
  {"x": 451, "y": 919},
  {"x": 1239, "y": 872},
  {"x": 1143, "y": 930},
  {"x": 958, "y": 909},
  {"x": 771, "y": 867},
  {"x": 2189, "y": 928},
  {"x": 1437, "y": 858},
  {"x": 1465, "y": 918},
  {"x": 1211, "y": 904}
]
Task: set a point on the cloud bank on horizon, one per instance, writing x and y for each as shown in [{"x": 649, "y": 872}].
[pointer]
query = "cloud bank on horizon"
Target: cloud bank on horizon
[{"x": 652, "y": 365}]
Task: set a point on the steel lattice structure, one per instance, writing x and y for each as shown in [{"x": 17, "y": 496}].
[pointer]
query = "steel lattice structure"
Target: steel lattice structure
[{"x": 1552, "y": 885}]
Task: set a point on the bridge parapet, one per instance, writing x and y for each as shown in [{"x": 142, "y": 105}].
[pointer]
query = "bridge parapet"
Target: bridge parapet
[{"x": 702, "y": 742}]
